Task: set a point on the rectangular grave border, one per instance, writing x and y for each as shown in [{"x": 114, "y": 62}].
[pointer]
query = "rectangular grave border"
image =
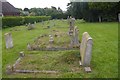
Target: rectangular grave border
[{"x": 12, "y": 69}]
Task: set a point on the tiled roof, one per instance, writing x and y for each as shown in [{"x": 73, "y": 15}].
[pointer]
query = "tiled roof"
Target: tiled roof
[{"x": 8, "y": 8}]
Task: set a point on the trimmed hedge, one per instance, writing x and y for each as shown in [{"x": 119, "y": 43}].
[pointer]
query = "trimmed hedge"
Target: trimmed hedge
[{"x": 17, "y": 21}]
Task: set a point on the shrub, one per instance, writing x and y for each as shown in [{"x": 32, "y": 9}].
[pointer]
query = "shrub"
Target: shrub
[
  {"x": 17, "y": 21},
  {"x": 12, "y": 21}
]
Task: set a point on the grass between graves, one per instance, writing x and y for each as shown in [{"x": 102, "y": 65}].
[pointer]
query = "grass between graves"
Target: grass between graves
[{"x": 104, "y": 61}]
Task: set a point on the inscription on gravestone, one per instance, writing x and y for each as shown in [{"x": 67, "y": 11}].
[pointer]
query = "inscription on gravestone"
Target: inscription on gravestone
[
  {"x": 86, "y": 51},
  {"x": 9, "y": 41}
]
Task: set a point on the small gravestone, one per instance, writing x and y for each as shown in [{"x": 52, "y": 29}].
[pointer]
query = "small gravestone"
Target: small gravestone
[
  {"x": 9, "y": 70},
  {"x": 71, "y": 25},
  {"x": 51, "y": 40},
  {"x": 119, "y": 17},
  {"x": 76, "y": 40},
  {"x": 9, "y": 41},
  {"x": 21, "y": 54},
  {"x": 29, "y": 47},
  {"x": 35, "y": 22},
  {"x": 42, "y": 22},
  {"x": 74, "y": 37},
  {"x": 31, "y": 26},
  {"x": 86, "y": 51}
]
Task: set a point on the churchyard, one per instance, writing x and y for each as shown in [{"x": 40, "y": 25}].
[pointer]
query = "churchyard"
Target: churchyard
[{"x": 61, "y": 49}]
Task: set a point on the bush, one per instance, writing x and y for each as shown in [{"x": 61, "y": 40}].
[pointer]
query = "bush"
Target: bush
[
  {"x": 32, "y": 19},
  {"x": 11, "y": 21},
  {"x": 17, "y": 21}
]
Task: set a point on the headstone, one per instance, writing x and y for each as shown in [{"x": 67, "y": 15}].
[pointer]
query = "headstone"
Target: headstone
[
  {"x": 42, "y": 22},
  {"x": 51, "y": 40},
  {"x": 31, "y": 26},
  {"x": 119, "y": 17},
  {"x": 74, "y": 37},
  {"x": 29, "y": 47},
  {"x": 35, "y": 22},
  {"x": 9, "y": 70},
  {"x": 71, "y": 25},
  {"x": 86, "y": 50},
  {"x": 22, "y": 54},
  {"x": 9, "y": 41},
  {"x": 76, "y": 40}
]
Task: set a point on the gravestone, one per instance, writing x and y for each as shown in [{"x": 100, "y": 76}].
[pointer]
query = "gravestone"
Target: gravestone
[
  {"x": 74, "y": 38},
  {"x": 71, "y": 25},
  {"x": 51, "y": 40},
  {"x": 31, "y": 26},
  {"x": 119, "y": 17},
  {"x": 9, "y": 41},
  {"x": 35, "y": 22},
  {"x": 21, "y": 54},
  {"x": 29, "y": 46},
  {"x": 86, "y": 51},
  {"x": 75, "y": 34}
]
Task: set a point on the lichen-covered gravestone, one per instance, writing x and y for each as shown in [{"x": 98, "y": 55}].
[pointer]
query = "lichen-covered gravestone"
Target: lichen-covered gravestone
[
  {"x": 9, "y": 41},
  {"x": 86, "y": 51}
]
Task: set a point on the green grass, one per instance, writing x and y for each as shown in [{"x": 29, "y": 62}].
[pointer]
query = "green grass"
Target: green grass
[{"x": 104, "y": 61}]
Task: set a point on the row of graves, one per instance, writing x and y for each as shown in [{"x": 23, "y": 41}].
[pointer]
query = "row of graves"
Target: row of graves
[{"x": 51, "y": 42}]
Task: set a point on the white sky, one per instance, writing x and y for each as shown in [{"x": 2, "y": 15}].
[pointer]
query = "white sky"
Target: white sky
[{"x": 39, "y": 3}]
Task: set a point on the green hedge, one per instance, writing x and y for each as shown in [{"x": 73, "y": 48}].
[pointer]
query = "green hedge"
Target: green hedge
[
  {"x": 16, "y": 21},
  {"x": 11, "y": 21}
]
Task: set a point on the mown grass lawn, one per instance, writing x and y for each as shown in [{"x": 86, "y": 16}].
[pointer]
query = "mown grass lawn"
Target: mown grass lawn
[{"x": 104, "y": 61}]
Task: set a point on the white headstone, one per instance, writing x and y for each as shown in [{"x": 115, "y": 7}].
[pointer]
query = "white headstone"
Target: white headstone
[
  {"x": 9, "y": 41},
  {"x": 86, "y": 49}
]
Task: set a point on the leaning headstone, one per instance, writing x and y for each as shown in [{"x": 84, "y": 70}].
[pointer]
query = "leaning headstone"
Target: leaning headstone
[
  {"x": 9, "y": 41},
  {"x": 119, "y": 17},
  {"x": 86, "y": 51}
]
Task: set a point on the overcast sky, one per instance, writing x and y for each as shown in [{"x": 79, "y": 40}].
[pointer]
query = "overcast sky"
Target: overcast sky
[{"x": 39, "y": 3}]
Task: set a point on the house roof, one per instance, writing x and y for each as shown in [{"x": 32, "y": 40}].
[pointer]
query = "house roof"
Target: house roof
[{"x": 7, "y": 7}]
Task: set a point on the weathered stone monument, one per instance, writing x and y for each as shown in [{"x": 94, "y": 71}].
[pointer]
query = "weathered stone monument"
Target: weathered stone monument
[
  {"x": 74, "y": 38},
  {"x": 86, "y": 51},
  {"x": 9, "y": 41},
  {"x": 71, "y": 22}
]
